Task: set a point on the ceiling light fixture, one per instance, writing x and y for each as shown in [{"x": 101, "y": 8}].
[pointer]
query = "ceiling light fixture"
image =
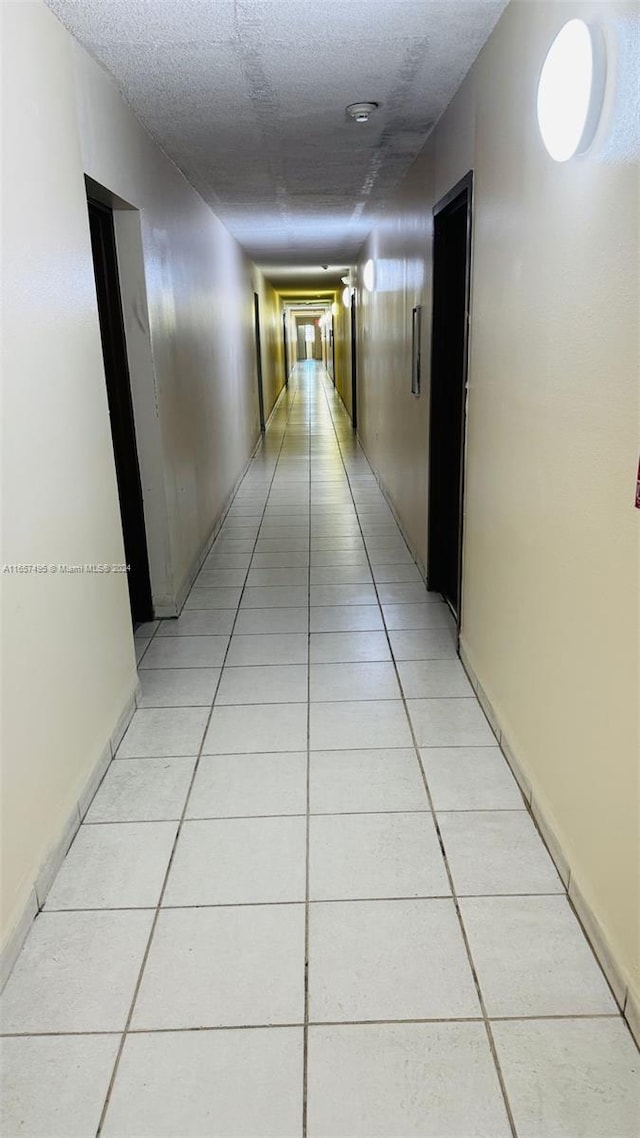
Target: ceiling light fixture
[
  {"x": 360, "y": 111},
  {"x": 369, "y": 276},
  {"x": 571, "y": 90},
  {"x": 346, "y": 296}
]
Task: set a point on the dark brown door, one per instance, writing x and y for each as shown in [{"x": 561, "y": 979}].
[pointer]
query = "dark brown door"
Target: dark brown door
[
  {"x": 451, "y": 280},
  {"x": 123, "y": 433}
]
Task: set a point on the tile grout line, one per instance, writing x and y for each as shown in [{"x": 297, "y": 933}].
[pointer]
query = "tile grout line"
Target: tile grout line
[
  {"x": 314, "y": 814},
  {"x": 158, "y": 907},
  {"x": 221, "y": 1027},
  {"x": 485, "y": 1017}
]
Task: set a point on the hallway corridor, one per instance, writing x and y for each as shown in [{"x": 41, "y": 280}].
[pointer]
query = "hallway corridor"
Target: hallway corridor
[{"x": 306, "y": 748}]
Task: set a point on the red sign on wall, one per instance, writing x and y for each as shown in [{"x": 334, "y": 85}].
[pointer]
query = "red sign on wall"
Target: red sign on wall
[{"x": 638, "y": 489}]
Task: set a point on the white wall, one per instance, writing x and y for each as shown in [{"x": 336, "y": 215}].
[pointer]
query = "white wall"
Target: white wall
[
  {"x": 69, "y": 667},
  {"x": 550, "y": 597}
]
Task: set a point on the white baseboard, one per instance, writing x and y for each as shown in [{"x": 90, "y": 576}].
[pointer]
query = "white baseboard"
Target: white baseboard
[
  {"x": 58, "y": 851},
  {"x": 615, "y": 973},
  {"x": 17, "y": 937},
  {"x": 632, "y": 1014}
]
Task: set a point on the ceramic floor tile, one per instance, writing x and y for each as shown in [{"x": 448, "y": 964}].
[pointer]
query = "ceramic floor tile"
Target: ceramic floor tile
[
  {"x": 431, "y": 614},
  {"x": 257, "y": 727},
  {"x": 532, "y": 958},
  {"x": 231, "y": 545},
  {"x": 273, "y": 621},
  {"x": 284, "y": 560},
  {"x": 373, "y": 681},
  {"x": 186, "y": 652},
  {"x": 343, "y": 618},
  {"x": 213, "y": 599},
  {"x": 426, "y": 679},
  {"x": 282, "y": 545},
  {"x": 278, "y": 577},
  {"x": 414, "y": 1080},
  {"x": 228, "y": 786},
  {"x": 203, "y": 622},
  {"x": 369, "y": 780},
  {"x": 268, "y": 649},
  {"x": 470, "y": 778},
  {"x": 238, "y": 862},
  {"x": 390, "y": 557},
  {"x": 146, "y": 629},
  {"x": 388, "y": 960},
  {"x": 178, "y": 687},
  {"x": 217, "y": 560},
  {"x": 340, "y": 575},
  {"x": 449, "y": 723},
  {"x": 275, "y": 596},
  {"x": 397, "y": 574},
  {"x": 342, "y": 595},
  {"x": 140, "y": 645},
  {"x": 423, "y": 644},
  {"x": 142, "y": 790},
  {"x": 220, "y": 578},
  {"x": 76, "y": 972},
  {"x": 164, "y": 733},
  {"x": 354, "y": 856},
  {"x": 270, "y": 684},
  {"x": 55, "y": 1085},
  {"x": 358, "y": 724},
  {"x": 570, "y": 1077},
  {"x": 338, "y": 557},
  {"x": 406, "y": 592},
  {"x": 222, "y": 1084},
  {"x": 497, "y": 852},
  {"x": 347, "y": 647},
  {"x": 115, "y": 865},
  {"x": 246, "y": 966},
  {"x": 337, "y": 543}
]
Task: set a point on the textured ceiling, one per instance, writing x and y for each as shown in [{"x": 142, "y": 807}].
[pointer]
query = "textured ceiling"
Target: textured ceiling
[{"x": 248, "y": 98}]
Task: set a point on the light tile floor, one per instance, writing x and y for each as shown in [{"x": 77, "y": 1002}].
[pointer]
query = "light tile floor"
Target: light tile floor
[{"x": 307, "y": 898}]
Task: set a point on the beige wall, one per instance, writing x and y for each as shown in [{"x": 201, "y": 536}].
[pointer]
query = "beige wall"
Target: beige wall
[
  {"x": 550, "y": 600},
  {"x": 68, "y": 663}
]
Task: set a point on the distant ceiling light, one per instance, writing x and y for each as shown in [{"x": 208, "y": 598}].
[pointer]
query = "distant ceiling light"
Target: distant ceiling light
[
  {"x": 346, "y": 296},
  {"x": 571, "y": 90},
  {"x": 369, "y": 276},
  {"x": 360, "y": 111},
  {"x": 345, "y": 280}
]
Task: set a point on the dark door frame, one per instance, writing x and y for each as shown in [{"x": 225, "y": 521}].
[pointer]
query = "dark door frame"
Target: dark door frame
[
  {"x": 256, "y": 313},
  {"x": 460, "y": 196},
  {"x": 123, "y": 433},
  {"x": 354, "y": 363}
]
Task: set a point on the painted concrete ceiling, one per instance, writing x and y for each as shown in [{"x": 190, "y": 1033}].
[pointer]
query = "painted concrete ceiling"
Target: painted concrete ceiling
[{"x": 248, "y": 98}]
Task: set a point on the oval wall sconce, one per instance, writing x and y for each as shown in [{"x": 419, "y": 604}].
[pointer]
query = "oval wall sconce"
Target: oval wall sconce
[
  {"x": 369, "y": 276},
  {"x": 571, "y": 90}
]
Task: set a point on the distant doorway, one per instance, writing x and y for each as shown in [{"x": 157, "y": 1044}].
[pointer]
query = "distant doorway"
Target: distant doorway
[
  {"x": 256, "y": 311},
  {"x": 449, "y": 351},
  {"x": 114, "y": 351}
]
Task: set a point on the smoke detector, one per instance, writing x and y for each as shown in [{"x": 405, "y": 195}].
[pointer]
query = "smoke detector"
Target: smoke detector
[{"x": 360, "y": 111}]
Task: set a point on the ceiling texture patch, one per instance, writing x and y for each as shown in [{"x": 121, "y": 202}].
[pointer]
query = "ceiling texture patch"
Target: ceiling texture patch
[{"x": 249, "y": 98}]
